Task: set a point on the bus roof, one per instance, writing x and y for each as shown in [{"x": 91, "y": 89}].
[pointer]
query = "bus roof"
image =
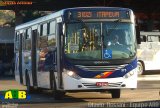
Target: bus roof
[
  {"x": 61, "y": 12},
  {"x": 39, "y": 20}
]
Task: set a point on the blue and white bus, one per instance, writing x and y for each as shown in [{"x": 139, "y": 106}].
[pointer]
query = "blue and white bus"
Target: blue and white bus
[{"x": 78, "y": 49}]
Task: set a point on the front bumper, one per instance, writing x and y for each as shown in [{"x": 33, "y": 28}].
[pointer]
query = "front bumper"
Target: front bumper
[{"x": 71, "y": 83}]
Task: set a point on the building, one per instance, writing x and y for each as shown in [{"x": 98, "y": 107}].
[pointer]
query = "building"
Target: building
[{"x": 6, "y": 50}]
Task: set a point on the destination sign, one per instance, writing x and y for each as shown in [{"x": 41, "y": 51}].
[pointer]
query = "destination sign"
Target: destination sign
[{"x": 99, "y": 14}]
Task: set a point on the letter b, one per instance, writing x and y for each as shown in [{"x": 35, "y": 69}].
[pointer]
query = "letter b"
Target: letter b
[{"x": 22, "y": 95}]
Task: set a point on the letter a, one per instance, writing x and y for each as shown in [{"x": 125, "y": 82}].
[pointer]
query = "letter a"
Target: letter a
[{"x": 8, "y": 95}]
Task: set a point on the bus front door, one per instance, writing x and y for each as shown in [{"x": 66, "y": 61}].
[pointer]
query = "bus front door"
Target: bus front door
[{"x": 59, "y": 55}]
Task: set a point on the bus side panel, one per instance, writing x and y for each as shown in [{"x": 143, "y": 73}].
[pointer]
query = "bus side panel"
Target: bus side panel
[{"x": 149, "y": 54}]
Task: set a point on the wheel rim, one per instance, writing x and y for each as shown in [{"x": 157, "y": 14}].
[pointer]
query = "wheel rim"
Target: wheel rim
[{"x": 140, "y": 68}]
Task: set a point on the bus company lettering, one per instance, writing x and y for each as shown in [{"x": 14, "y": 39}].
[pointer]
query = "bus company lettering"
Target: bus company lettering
[{"x": 99, "y": 14}]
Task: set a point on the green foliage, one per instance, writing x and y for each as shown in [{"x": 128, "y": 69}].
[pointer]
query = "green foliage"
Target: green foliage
[
  {"x": 7, "y": 17},
  {"x": 31, "y": 15}
]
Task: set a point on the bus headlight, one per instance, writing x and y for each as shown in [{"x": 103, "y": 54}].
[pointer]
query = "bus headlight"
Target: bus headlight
[
  {"x": 72, "y": 74},
  {"x": 129, "y": 74}
]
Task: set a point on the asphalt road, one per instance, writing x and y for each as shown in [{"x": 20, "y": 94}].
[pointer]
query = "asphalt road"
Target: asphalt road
[{"x": 146, "y": 95}]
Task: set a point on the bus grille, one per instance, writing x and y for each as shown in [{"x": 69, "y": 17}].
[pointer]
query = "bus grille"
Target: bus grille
[{"x": 101, "y": 68}]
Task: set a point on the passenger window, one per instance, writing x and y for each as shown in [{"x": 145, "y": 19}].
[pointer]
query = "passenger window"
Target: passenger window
[
  {"x": 52, "y": 34},
  {"x": 17, "y": 42},
  {"x": 149, "y": 39},
  {"x": 47, "y": 37},
  {"x": 153, "y": 38},
  {"x": 52, "y": 27},
  {"x": 143, "y": 38},
  {"x": 28, "y": 33},
  {"x": 43, "y": 29},
  {"x": 42, "y": 42},
  {"x": 28, "y": 39}
]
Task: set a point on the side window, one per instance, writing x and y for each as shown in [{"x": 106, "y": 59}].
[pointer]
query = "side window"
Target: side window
[
  {"x": 47, "y": 35},
  {"x": 149, "y": 38},
  {"x": 52, "y": 34},
  {"x": 143, "y": 38},
  {"x": 43, "y": 29},
  {"x": 23, "y": 40},
  {"x": 153, "y": 38},
  {"x": 52, "y": 28},
  {"x": 28, "y": 34},
  {"x": 17, "y": 41}
]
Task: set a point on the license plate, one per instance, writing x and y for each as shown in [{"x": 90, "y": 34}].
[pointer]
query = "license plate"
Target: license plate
[{"x": 101, "y": 84}]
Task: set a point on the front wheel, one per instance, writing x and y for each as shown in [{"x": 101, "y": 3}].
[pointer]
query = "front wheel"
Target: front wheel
[
  {"x": 57, "y": 94},
  {"x": 115, "y": 93},
  {"x": 140, "y": 68}
]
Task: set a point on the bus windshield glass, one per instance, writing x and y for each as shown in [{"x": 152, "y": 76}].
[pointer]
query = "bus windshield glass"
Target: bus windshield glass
[{"x": 100, "y": 40}]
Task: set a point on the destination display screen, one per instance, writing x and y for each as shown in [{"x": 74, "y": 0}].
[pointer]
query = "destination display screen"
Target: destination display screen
[{"x": 99, "y": 14}]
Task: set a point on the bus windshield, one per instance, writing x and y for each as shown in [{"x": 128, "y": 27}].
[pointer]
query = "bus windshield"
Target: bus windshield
[{"x": 92, "y": 41}]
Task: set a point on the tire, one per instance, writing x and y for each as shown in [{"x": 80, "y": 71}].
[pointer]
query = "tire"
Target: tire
[
  {"x": 140, "y": 68},
  {"x": 57, "y": 94},
  {"x": 115, "y": 93},
  {"x": 29, "y": 88}
]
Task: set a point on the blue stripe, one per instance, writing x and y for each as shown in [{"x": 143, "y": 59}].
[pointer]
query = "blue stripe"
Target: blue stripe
[{"x": 128, "y": 68}]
